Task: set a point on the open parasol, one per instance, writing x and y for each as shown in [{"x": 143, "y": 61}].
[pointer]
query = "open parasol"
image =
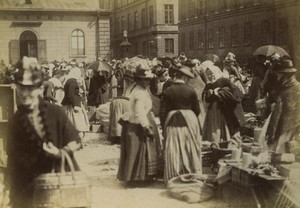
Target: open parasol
[
  {"x": 269, "y": 50},
  {"x": 100, "y": 66}
]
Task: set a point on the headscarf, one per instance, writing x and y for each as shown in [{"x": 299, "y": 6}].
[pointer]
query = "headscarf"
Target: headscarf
[{"x": 215, "y": 70}]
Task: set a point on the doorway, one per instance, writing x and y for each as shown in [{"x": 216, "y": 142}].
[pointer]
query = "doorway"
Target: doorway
[{"x": 28, "y": 44}]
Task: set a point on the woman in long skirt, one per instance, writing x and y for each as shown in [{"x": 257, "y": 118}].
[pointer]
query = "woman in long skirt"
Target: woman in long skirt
[
  {"x": 179, "y": 115},
  {"x": 140, "y": 144}
]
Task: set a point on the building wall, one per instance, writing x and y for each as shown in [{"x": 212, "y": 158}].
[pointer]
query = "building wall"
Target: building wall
[
  {"x": 56, "y": 31},
  {"x": 227, "y": 13},
  {"x": 153, "y": 35}
]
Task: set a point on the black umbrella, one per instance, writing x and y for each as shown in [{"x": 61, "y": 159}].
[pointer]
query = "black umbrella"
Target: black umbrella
[{"x": 100, "y": 66}]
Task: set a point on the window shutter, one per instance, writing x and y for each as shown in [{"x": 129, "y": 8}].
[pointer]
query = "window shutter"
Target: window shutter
[
  {"x": 14, "y": 51},
  {"x": 42, "y": 51}
]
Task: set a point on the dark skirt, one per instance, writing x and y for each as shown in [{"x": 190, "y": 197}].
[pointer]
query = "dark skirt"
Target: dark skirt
[{"x": 140, "y": 155}]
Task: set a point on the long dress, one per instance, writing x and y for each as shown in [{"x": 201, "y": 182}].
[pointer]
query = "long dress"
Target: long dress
[
  {"x": 224, "y": 113},
  {"x": 283, "y": 131},
  {"x": 26, "y": 157},
  {"x": 140, "y": 158},
  {"x": 182, "y": 139}
]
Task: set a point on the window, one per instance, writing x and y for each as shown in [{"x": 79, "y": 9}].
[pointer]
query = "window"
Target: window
[
  {"x": 136, "y": 20},
  {"x": 234, "y": 35},
  {"x": 123, "y": 26},
  {"x": 77, "y": 43},
  {"x": 118, "y": 25},
  {"x": 282, "y": 31},
  {"x": 129, "y": 26},
  {"x": 191, "y": 40},
  {"x": 199, "y": 7},
  {"x": 143, "y": 18},
  {"x": 182, "y": 44},
  {"x": 221, "y": 37},
  {"x": 200, "y": 40},
  {"x": 192, "y": 8},
  {"x": 28, "y": 2},
  {"x": 151, "y": 16},
  {"x": 136, "y": 48},
  {"x": 169, "y": 45},
  {"x": 169, "y": 14},
  {"x": 248, "y": 34},
  {"x": 145, "y": 48},
  {"x": 266, "y": 33},
  {"x": 211, "y": 39}
]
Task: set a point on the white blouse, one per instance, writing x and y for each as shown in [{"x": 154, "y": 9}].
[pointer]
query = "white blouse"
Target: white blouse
[{"x": 140, "y": 104}]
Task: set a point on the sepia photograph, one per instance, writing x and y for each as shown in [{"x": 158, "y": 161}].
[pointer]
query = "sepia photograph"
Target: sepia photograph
[{"x": 150, "y": 103}]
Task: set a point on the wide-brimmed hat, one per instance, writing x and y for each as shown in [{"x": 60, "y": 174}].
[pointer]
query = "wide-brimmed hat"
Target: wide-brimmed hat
[
  {"x": 186, "y": 71},
  {"x": 282, "y": 64},
  {"x": 28, "y": 72},
  {"x": 142, "y": 73}
]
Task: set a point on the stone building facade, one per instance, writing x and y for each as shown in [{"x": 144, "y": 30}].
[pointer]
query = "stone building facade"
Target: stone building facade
[
  {"x": 151, "y": 27},
  {"x": 53, "y": 30},
  {"x": 238, "y": 26}
]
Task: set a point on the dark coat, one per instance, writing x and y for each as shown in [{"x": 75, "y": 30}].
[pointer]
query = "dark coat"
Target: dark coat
[
  {"x": 26, "y": 157},
  {"x": 178, "y": 96},
  {"x": 72, "y": 96},
  {"x": 97, "y": 88},
  {"x": 229, "y": 101}
]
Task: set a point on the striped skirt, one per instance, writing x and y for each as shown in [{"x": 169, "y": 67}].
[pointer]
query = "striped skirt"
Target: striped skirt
[{"x": 182, "y": 144}]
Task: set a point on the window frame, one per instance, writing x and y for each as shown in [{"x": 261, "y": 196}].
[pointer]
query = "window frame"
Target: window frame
[
  {"x": 169, "y": 45},
  {"x": 169, "y": 14},
  {"x": 77, "y": 36},
  {"x": 248, "y": 34},
  {"x": 210, "y": 39},
  {"x": 222, "y": 37},
  {"x": 234, "y": 36}
]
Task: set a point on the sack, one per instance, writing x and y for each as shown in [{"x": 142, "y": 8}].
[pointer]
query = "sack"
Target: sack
[
  {"x": 64, "y": 189},
  {"x": 190, "y": 188}
]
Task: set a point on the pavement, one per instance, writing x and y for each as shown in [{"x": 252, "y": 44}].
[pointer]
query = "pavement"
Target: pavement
[{"x": 99, "y": 159}]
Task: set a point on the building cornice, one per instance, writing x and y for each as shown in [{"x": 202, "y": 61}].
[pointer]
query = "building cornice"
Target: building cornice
[{"x": 58, "y": 11}]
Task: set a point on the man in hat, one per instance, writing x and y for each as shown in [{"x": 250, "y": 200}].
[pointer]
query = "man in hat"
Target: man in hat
[
  {"x": 38, "y": 132},
  {"x": 283, "y": 132},
  {"x": 179, "y": 115},
  {"x": 164, "y": 79}
]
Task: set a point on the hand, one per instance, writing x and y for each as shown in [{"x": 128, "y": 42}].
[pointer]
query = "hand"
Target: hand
[
  {"x": 76, "y": 109},
  {"x": 216, "y": 90},
  {"x": 53, "y": 151},
  {"x": 148, "y": 131}
]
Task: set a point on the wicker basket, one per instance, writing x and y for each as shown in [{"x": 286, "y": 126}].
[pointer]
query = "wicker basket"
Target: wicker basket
[{"x": 62, "y": 190}]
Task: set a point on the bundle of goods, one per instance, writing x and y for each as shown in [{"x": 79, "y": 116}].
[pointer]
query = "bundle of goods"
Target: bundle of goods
[{"x": 102, "y": 114}]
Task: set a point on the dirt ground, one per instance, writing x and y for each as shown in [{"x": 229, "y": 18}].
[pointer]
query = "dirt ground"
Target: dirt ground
[{"x": 99, "y": 159}]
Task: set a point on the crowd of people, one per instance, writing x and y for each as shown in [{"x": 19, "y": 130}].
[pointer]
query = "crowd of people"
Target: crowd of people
[{"x": 161, "y": 111}]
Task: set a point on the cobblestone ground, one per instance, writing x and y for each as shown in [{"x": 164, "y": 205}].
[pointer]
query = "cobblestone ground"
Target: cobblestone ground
[{"x": 99, "y": 160}]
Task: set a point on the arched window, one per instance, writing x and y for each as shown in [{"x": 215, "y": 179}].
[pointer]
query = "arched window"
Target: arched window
[{"x": 77, "y": 43}]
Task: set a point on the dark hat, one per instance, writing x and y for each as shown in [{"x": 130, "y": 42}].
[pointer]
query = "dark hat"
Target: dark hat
[
  {"x": 282, "y": 64},
  {"x": 159, "y": 70},
  {"x": 186, "y": 71},
  {"x": 28, "y": 72},
  {"x": 142, "y": 73}
]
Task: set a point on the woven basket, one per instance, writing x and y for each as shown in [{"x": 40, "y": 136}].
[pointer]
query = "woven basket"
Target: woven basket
[{"x": 62, "y": 190}]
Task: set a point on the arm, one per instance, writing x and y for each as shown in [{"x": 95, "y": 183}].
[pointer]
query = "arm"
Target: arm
[
  {"x": 195, "y": 104},
  {"x": 140, "y": 112}
]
